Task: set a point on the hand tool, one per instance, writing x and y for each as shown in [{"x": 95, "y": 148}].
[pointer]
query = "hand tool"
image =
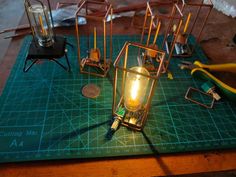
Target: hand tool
[{"x": 202, "y": 71}]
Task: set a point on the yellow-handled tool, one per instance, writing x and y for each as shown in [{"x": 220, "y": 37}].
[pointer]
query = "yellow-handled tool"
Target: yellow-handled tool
[
  {"x": 227, "y": 67},
  {"x": 202, "y": 71}
]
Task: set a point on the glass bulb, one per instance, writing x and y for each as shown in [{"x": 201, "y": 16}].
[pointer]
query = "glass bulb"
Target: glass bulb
[
  {"x": 135, "y": 89},
  {"x": 39, "y": 20}
]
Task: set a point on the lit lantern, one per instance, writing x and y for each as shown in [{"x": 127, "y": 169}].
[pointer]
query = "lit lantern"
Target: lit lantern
[
  {"x": 95, "y": 38},
  {"x": 134, "y": 86}
]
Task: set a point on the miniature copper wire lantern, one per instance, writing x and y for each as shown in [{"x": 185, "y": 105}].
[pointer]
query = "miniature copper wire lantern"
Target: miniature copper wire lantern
[
  {"x": 196, "y": 15},
  {"x": 164, "y": 19},
  {"x": 133, "y": 87},
  {"x": 96, "y": 57}
]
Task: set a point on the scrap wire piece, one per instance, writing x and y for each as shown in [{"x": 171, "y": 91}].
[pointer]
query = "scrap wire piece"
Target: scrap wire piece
[
  {"x": 84, "y": 61},
  {"x": 191, "y": 90},
  {"x": 88, "y": 60},
  {"x": 186, "y": 65}
]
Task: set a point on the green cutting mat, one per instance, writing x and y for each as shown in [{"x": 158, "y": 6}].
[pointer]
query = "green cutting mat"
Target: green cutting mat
[{"x": 44, "y": 116}]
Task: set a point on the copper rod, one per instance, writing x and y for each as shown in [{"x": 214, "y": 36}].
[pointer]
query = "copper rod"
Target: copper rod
[
  {"x": 104, "y": 44},
  {"x": 78, "y": 39},
  {"x": 135, "y": 72},
  {"x": 21, "y": 27},
  {"x": 18, "y": 35},
  {"x": 114, "y": 91},
  {"x": 187, "y": 22},
  {"x": 204, "y": 23},
  {"x": 108, "y": 10},
  {"x": 144, "y": 25},
  {"x": 120, "y": 54},
  {"x": 111, "y": 24},
  {"x": 202, "y": 5},
  {"x": 95, "y": 38},
  {"x": 150, "y": 30},
  {"x": 124, "y": 66},
  {"x": 195, "y": 19},
  {"x": 157, "y": 32},
  {"x": 173, "y": 11},
  {"x": 134, "y": 7},
  {"x": 61, "y": 4}
]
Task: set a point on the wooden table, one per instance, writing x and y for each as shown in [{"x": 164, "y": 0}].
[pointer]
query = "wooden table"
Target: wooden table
[
  {"x": 172, "y": 164},
  {"x": 137, "y": 166}
]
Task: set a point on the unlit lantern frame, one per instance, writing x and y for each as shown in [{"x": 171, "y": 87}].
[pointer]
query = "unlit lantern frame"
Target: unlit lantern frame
[
  {"x": 151, "y": 22},
  {"x": 197, "y": 6},
  {"x": 102, "y": 67}
]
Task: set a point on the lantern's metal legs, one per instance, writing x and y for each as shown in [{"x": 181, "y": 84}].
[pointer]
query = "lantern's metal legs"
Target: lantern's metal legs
[
  {"x": 69, "y": 44},
  {"x": 26, "y": 69},
  {"x": 64, "y": 67},
  {"x": 67, "y": 68},
  {"x": 67, "y": 61}
]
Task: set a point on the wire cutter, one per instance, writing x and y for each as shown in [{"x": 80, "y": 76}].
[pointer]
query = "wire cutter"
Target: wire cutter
[{"x": 202, "y": 71}]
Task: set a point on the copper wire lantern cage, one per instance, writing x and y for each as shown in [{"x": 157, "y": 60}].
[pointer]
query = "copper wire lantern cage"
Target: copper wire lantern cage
[
  {"x": 164, "y": 20},
  {"x": 196, "y": 14},
  {"x": 96, "y": 57},
  {"x": 133, "y": 86}
]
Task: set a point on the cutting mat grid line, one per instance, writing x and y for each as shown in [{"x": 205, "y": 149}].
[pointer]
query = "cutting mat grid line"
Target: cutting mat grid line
[{"x": 44, "y": 116}]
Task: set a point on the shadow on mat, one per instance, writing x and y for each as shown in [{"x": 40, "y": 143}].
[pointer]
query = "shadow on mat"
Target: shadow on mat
[
  {"x": 75, "y": 133},
  {"x": 174, "y": 99},
  {"x": 157, "y": 156},
  {"x": 81, "y": 131}
]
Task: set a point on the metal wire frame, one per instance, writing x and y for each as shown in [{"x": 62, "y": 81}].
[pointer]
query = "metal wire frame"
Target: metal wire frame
[
  {"x": 133, "y": 23},
  {"x": 189, "y": 97},
  {"x": 124, "y": 52},
  {"x": 175, "y": 14},
  {"x": 27, "y": 4},
  {"x": 102, "y": 19},
  {"x": 199, "y": 5}
]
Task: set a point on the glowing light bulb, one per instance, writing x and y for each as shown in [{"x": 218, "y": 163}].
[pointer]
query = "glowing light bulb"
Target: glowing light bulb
[{"x": 135, "y": 89}]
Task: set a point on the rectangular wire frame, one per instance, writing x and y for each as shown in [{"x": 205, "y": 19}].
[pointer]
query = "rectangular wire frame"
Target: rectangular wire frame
[
  {"x": 100, "y": 18},
  {"x": 175, "y": 17},
  {"x": 197, "y": 25},
  {"x": 122, "y": 67}
]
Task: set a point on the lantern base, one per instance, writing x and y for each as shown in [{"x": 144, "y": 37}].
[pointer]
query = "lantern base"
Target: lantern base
[
  {"x": 132, "y": 119},
  {"x": 53, "y": 53},
  {"x": 47, "y": 42},
  {"x": 181, "y": 50},
  {"x": 88, "y": 66},
  {"x": 151, "y": 63}
]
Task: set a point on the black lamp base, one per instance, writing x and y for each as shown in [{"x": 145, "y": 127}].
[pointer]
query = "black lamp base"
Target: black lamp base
[{"x": 52, "y": 53}]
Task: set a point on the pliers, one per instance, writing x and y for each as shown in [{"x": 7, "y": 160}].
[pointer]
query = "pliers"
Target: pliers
[{"x": 202, "y": 71}]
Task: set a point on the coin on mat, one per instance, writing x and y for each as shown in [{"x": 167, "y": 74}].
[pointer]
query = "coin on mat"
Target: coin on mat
[{"x": 91, "y": 91}]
